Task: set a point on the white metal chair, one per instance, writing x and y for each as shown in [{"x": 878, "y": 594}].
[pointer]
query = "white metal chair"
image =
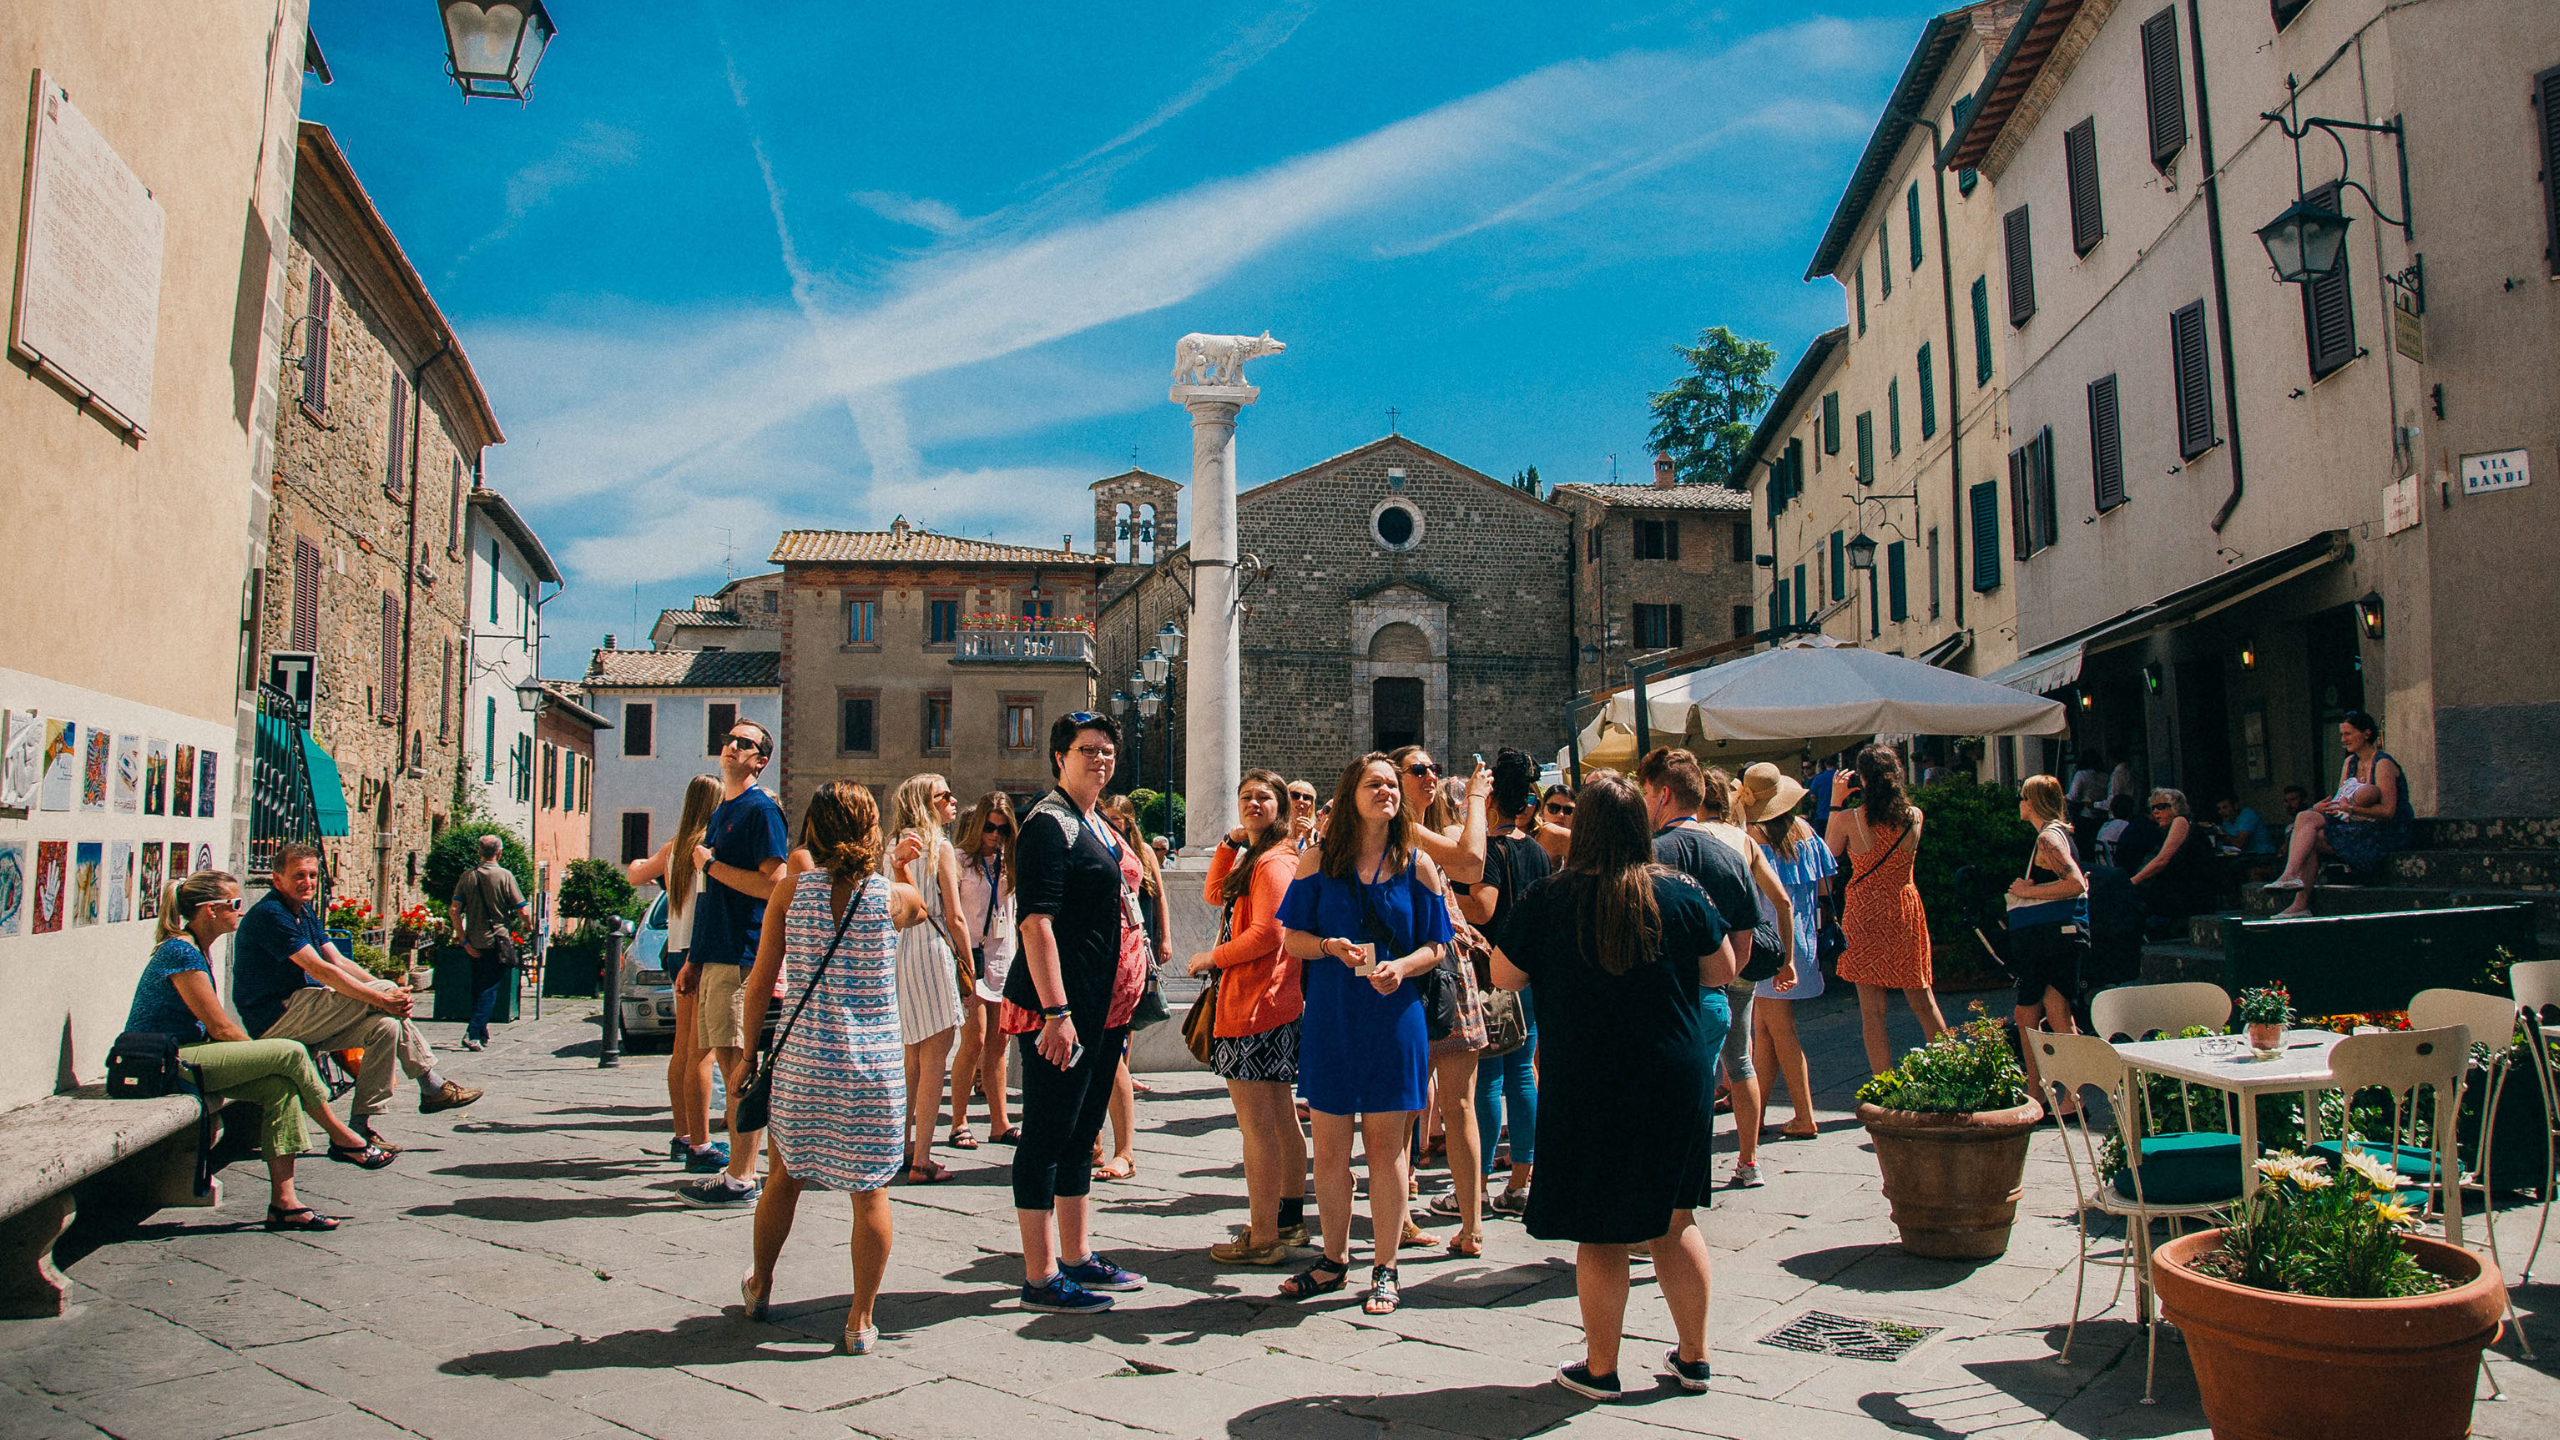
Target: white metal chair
[
  {"x": 2135, "y": 1011},
  {"x": 2072, "y": 1063},
  {"x": 2536, "y": 985},
  {"x": 2491, "y": 1019}
]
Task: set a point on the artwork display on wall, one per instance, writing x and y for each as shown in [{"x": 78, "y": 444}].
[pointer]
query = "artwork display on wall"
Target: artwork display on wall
[
  {"x": 204, "y": 857},
  {"x": 52, "y": 888},
  {"x": 88, "y": 882},
  {"x": 21, "y": 759},
  {"x": 61, "y": 763},
  {"x": 155, "y": 779},
  {"x": 13, "y": 886},
  {"x": 128, "y": 780},
  {"x": 119, "y": 882},
  {"x": 182, "y": 781},
  {"x": 149, "y": 909},
  {"x": 204, "y": 784},
  {"x": 93, "y": 770}
]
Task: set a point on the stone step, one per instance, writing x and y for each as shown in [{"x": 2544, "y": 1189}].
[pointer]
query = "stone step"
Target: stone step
[
  {"x": 2482, "y": 868},
  {"x": 2528, "y": 832},
  {"x": 2166, "y": 962},
  {"x": 2257, "y": 902}
]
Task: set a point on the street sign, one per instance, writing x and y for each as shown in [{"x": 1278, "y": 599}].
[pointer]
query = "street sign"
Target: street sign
[
  {"x": 2498, "y": 470},
  {"x": 2400, "y": 508},
  {"x": 294, "y": 672},
  {"x": 2408, "y": 331}
]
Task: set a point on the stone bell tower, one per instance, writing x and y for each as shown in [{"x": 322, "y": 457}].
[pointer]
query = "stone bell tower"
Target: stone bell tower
[{"x": 1135, "y": 517}]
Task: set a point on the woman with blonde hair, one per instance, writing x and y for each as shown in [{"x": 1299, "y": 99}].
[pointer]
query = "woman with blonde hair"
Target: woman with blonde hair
[
  {"x": 839, "y": 1107},
  {"x": 986, "y": 908},
  {"x": 1259, "y": 1001},
  {"x": 929, "y": 951},
  {"x": 1768, "y": 798},
  {"x": 176, "y": 997},
  {"x": 1876, "y": 828},
  {"x": 674, "y": 870},
  {"x": 2048, "y": 925}
]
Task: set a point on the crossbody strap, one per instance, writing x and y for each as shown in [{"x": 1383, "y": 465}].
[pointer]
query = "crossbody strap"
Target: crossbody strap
[
  {"x": 1869, "y": 867},
  {"x": 852, "y": 903}
]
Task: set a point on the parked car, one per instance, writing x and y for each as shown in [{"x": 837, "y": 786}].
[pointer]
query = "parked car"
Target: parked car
[{"x": 649, "y": 990}]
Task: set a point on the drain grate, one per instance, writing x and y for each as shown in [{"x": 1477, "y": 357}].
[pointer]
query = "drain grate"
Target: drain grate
[{"x": 1819, "y": 1332}]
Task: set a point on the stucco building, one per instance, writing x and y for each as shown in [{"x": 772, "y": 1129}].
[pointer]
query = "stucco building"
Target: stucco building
[
  {"x": 670, "y": 710},
  {"x": 508, "y": 568},
  {"x": 565, "y": 783},
  {"x": 745, "y": 614},
  {"x": 1657, "y": 570}
]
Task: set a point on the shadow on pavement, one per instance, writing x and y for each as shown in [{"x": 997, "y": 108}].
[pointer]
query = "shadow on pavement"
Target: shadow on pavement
[
  {"x": 1887, "y": 1269},
  {"x": 694, "y": 1341},
  {"x": 556, "y": 1169},
  {"x": 533, "y": 1209},
  {"x": 1494, "y": 1412}
]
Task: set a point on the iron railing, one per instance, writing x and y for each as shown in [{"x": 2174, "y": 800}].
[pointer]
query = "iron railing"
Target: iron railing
[
  {"x": 1036, "y": 647},
  {"x": 281, "y": 807}
]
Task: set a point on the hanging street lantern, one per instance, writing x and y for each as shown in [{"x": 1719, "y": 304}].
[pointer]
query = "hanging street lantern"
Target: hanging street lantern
[
  {"x": 1169, "y": 640},
  {"x": 492, "y": 49},
  {"x": 2306, "y": 243},
  {"x": 1149, "y": 704},
  {"x": 529, "y": 696},
  {"x": 1154, "y": 665},
  {"x": 1862, "y": 552},
  {"x": 1120, "y": 704}
]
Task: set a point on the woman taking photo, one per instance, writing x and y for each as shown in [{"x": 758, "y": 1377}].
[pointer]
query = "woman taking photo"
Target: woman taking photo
[
  {"x": 1365, "y": 910},
  {"x": 1259, "y": 1001},
  {"x": 839, "y": 1072},
  {"x": 674, "y": 870},
  {"x": 1804, "y": 866},
  {"x": 1507, "y": 1084},
  {"x": 929, "y": 951},
  {"x": 1628, "y": 961},
  {"x": 2048, "y": 925},
  {"x": 1877, "y": 828},
  {"x": 986, "y": 908},
  {"x": 1454, "y": 841},
  {"x": 176, "y": 997}
]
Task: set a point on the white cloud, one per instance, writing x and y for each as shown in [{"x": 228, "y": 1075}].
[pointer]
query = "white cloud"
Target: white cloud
[
  {"x": 924, "y": 214},
  {"x": 595, "y": 150},
  {"x": 1251, "y": 45}
]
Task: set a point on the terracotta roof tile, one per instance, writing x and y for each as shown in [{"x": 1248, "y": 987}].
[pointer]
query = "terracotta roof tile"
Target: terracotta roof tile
[
  {"x": 1657, "y": 497},
  {"x": 913, "y": 547},
  {"x": 735, "y": 669}
]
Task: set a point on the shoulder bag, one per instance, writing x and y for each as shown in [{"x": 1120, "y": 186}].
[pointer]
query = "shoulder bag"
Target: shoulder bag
[
  {"x": 1506, "y": 1024},
  {"x": 755, "y": 1098},
  {"x": 1443, "y": 987},
  {"x": 1200, "y": 1026},
  {"x": 144, "y": 1065}
]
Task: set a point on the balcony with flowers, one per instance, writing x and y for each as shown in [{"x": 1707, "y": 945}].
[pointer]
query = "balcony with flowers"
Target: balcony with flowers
[{"x": 1024, "y": 640}]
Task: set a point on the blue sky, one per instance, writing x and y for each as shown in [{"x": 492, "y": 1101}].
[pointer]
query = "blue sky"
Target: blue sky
[{"x": 738, "y": 269}]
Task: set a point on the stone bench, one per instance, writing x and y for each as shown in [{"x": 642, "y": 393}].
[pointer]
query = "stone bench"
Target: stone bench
[{"x": 85, "y": 1153}]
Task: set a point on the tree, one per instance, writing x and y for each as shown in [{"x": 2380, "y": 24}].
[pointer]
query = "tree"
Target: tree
[
  {"x": 593, "y": 890},
  {"x": 1704, "y": 419},
  {"x": 457, "y": 851},
  {"x": 1525, "y": 479}
]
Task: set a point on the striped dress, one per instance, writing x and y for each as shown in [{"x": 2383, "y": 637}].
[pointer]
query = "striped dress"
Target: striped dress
[
  {"x": 928, "y": 975},
  {"x": 839, "y": 1085}
]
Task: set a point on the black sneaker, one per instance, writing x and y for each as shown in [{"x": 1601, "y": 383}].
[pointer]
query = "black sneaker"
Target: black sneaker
[
  {"x": 1094, "y": 1272},
  {"x": 1059, "y": 1295},
  {"x": 1693, "y": 1375},
  {"x": 1577, "y": 1377},
  {"x": 718, "y": 1192}
]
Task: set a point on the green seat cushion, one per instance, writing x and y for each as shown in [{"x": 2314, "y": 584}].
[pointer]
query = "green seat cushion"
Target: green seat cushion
[
  {"x": 2185, "y": 1167},
  {"x": 2412, "y": 1161}
]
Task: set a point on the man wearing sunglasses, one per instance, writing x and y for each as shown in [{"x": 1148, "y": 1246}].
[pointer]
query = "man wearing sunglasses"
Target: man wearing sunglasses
[{"x": 741, "y": 858}]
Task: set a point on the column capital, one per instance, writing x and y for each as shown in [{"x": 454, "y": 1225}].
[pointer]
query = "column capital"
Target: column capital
[{"x": 1228, "y": 398}]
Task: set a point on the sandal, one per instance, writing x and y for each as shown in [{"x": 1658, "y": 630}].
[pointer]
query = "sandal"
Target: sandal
[
  {"x": 1416, "y": 1237},
  {"x": 927, "y": 1173},
  {"x": 1469, "y": 1246},
  {"x": 1009, "y": 1135},
  {"x": 752, "y": 1300},
  {"x": 1113, "y": 1169},
  {"x": 1383, "y": 1297},
  {"x": 1779, "y": 1132},
  {"x": 962, "y": 1139},
  {"x": 371, "y": 1156},
  {"x": 1308, "y": 1283},
  {"x": 300, "y": 1217}
]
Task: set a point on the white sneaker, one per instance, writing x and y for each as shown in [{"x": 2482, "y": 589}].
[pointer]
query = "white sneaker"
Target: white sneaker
[{"x": 1747, "y": 1177}]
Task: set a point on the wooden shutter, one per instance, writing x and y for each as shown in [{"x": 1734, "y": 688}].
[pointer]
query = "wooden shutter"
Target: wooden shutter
[
  {"x": 453, "y": 516},
  {"x": 1778, "y": 604},
  {"x": 1866, "y": 447},
  {"x": 1804, "y": 596},
  {"x": 2106, "y": 444},
  {"x": 1914, "y": 226},
  {"x": 2546, "y": 101},
  {"x": 1831, "y": 423},
  {"x": 1862, "y": 298},
  {"x": 1671, "y": 538},
  {"x": 2080, "y": 161},
  {"x": 2328, "y": 307},
  {"x": 1985, "y": 501},
  {"x": 1884, "y": 259},
  {"x": 2164, "y": 86},
  {"x": 1893, "y": 414},
  {"x": 1981, "y": 329},
  {"x": 444, "y": 693},
  {"x": 719, "y": 720},
  {"x": 1678, "y": 637},
  {"x": 2022, "y": 525},
  {"x": 1897, "y": 581},
  {"x": 315, "y": 347},
  {"x": 1839, "y": 564},
  {"x": 389, "y": 706},
  {"x": 399, "y": 434},
  {"x": 2194, "y": 380},
  {"x": 635, "y": 835},
  {"x": 1928, "y": 394},
  {"x": 639, "y": 728},
  {"x": 2047, "y": 505},
  {"x": 306, "y": 595},
  {"x": 2022, "y": 267}
]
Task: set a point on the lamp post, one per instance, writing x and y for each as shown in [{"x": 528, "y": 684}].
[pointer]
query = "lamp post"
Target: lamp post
[
  {"x": 2308, "y": 240},
  {"x": 492, "y": 49},
  {"x": 529, "y": 698}
]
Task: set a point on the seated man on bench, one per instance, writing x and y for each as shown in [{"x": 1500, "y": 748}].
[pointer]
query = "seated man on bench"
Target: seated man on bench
[{"x": 294, "y": 985}]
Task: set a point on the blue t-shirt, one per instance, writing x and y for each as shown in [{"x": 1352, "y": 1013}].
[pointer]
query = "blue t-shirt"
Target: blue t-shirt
[
  {"x": 1802, "y": 874},
  {"x": 262, "y": 967},
  {"x": 744, "y": 832},
  {"x": 158, "y": 1008}
]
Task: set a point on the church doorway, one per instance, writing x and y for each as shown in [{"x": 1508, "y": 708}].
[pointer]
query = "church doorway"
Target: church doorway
[{"x": 1396, "y": 708}]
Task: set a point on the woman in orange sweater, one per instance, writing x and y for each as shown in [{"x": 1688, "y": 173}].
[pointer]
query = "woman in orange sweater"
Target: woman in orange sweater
[{"x": 1259, "y": 1003}]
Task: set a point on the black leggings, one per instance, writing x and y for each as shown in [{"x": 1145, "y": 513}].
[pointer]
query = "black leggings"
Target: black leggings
[{"x": 1062, "y": 1113}]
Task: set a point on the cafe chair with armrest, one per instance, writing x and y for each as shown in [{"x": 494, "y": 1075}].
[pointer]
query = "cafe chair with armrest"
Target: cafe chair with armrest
[
  {"x": 2536, "y": 984},
  {"x": 2136, "y": 1011},
  {"x": 2492, "y": 1022},
  {"x": 2173, "y": 1177}
]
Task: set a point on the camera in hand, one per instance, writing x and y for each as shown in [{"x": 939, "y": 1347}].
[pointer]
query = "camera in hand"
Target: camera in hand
[{"x": 1857, "y": 795}]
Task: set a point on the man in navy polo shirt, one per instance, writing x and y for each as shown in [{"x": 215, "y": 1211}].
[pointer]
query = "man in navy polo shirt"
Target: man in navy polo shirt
[{"x": 741, "y": 858}]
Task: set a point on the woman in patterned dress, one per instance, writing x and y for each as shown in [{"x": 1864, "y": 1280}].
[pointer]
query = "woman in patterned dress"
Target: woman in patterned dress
[
  {"x": 1875, "y": 825},
  {"x": 839, "y": 1087},
  {"x": 920, "y": 811}
]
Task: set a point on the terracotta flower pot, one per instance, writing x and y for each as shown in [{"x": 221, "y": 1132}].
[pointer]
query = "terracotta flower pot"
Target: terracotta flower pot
[
  {"x": 1953, "y": 1181},
  {"x": 2274, "y": 1366},
  {"x": 2265, "y": 1037}
]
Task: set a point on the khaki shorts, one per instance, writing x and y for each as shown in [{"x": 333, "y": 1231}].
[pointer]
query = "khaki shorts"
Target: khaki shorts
[{"x": 720, "y": 1009}]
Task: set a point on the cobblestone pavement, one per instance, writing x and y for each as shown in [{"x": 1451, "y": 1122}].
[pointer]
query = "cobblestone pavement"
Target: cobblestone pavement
[{"x": 526, "y": 1269}]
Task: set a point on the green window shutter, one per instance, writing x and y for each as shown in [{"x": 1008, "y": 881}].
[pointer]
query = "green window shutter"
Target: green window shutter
[
  {"x": 1831, "y": 423},
  {"x": 2106, "y": 444},
  {"x": 1862, "y": 296},
  {"x": 489, "y": 750},
  {"x": 2080, "y": 167},
  {"x": 1778, "y": 605},
  {"x": 1928, "y": 394},
  {"x": 1839, "y": 565},
  {"x": 2546, "y": 100},
  {"x": 1981, "y": 329},
  {"x": 1897, "y": 582},
  {"x": 1866, "y": 447},
  {"x": 2164, "y": 89},
  {"x": 2328, "y": 309},
  {"x": 1801, "y": 595},
  {"x": 1884, "y": 259},
  {"x": 2191, "y": 374},
  {"x": 1985, "y": 501},
  {"x": 1914, "y": 226},
  {"x": 1893, "y": 413}
]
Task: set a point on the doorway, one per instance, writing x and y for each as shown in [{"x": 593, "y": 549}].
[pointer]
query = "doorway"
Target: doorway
[{"x": 1395, "y": 707}]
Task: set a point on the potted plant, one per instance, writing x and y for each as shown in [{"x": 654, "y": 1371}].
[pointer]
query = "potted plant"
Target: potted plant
[
  {"x": 2317, "y": 1311},
  {"x": 1951, "y": 1125},
  {"x": 2266, "y": 1011}
]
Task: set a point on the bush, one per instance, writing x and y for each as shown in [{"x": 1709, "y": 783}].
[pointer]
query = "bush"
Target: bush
[
  {"x": 594, "y": 890},
  {"x": 1968, "y": 1069},
  {"x": 456, "y": 853},
  {"x": 1158, "y": 814},
  {"x": 1967, "y": 824},
  {"x": 379, "y": 962}
]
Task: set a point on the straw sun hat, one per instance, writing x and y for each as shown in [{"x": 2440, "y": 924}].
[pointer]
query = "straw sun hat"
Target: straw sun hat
[{"x": 1768, "y": 793}]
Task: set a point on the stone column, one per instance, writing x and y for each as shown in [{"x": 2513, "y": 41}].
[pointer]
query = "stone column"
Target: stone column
[{"x": 1212, "y": 716}]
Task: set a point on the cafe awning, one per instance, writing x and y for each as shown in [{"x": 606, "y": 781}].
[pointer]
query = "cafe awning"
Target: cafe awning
[{"x": 328, "y": 792}]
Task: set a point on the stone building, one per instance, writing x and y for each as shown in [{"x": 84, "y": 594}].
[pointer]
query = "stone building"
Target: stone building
[
  {"x": 376, "y": 457},
  {"x": 1392, "y": 596},
  {"x": 745, "y": 614},
  {"x": 670, "y": 710},
  {"x": 906, "y": 651},
  {"x": 1657, "y": 570}
]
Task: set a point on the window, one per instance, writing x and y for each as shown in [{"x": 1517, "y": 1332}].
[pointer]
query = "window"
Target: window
[
  {"x": 1831, "y": 423},
  {"x": 2032, "y": 516},
  {"x": 1897, "y": 581},
  {"x": 1884, "y": 261},
  {"x": 524, "y": 768},
  {"x": 2106, "y": 445},
  {"x": 1742, "y": 528},
  {"x": 1981, "y": 329},
  {"x": 937, "y": 721},
  {"x": 315, "y": 348},
  {"x": 306, "y": 595},
  {"x": 586, "y": 783},
  {"x": 1039, "y": 609},
  {"x": 1395, "y": 712},
  {"x": 773, "y": 602},
  {"x": 856, "y": 733},
  {"x": 2194, "y": 382},
  {"x": 399, "y": 435},
  {"x": 718, "y": 719},
  {"x": 453, "y": 515},
  {"x": 444, "y": 691},
  {"x": 1928, "y": 395},
  {"x": 1866, "y": 447},
  {"x": 489, "y": 743},
  {"x": 1397, "y": 526},
  {"x": 1778, "y": 611},
  {"x": 1658, "y": 539},
  {"x": 1914, "y": 226},
  {"x": 2328, "y": 307},
  {"x": 1839, "y": 565},
  {"x": 1984, "y": 500},
  {"x": 497, "y": 579},
  {"x": 1658, "y": 627},
  {"x": 1862, "y": 297},
  {"x": 639, "y": 728},
  {"x": 1933, "y": 572},
  {"x": 2080, "y": 165},
  {"x": 1591, "y": 543},
  {"x": 390, "y": 708},
  {"x": 550, "y": 776},
  {"x": 2546, "y": 100},
  {"x": 1892, "y": 416},
  {"x": 635, "y": 835},
  {"x": 2164, "y": 89},
  {"x": 1875, "y": 616},
  {"x": 2022, "y": 267},
  {"x": 941, "y": 622},
  {"x": 862, "y": 620},
  {"x": 1022, "y": 724},
  {"x": 2285, "y": 10},
  {"x": 1741, "y": 621}
]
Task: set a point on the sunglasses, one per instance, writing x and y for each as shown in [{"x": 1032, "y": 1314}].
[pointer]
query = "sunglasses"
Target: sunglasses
[
  {"x": 1083, "y": 717},
  {"x": 743, "y": 742},
  {"x": 1419, "y": 768},
  {"x": 235, "y": 904},
  {"x": 1556, "y": 809},
  {"x": 2164, "y": 807}
]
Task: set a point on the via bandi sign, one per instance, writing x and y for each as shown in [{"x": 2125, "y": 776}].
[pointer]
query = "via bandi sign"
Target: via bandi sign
[{"x": 2498, "y": 470}]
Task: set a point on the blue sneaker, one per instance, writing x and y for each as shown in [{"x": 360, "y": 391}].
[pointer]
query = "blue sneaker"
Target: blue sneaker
[
  {"x": 1093, "y": 1272},
  {"x": 676, "y": 1149},
  {"x": 1062, "y": 1296},
  {"x": 714, "y": 1156}
]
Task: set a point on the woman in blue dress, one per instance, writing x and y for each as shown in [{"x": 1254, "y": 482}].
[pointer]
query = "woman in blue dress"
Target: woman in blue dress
[
  {"x": 839, "y": 1074},
  {"x": 1368, "y": 914}
]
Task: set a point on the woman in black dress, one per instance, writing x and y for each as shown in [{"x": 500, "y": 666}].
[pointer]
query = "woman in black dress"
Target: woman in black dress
[{"x": 1623, "y": 954}]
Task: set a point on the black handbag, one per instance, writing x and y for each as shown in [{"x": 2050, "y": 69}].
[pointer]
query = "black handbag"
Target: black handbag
[
  {"x": 1439, "y": 986},
  {"x": 144, "y": 1065},
  {"x": 755, "y": 1098},
  {"x": 1767, "y": 958}
]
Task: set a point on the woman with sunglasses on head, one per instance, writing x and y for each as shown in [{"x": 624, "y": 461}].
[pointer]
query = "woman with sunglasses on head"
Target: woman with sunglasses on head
[
  {"x": 986, "y": 910},
  {"x": 1367, "y": 914},
  {"x": 176, "y": 997},
  {"x": 1876, "y": 828},
  {"x": 928, "y": 958},
  {"x": 1260, "y": 998},
  {"x": 1454, "y": 836}
]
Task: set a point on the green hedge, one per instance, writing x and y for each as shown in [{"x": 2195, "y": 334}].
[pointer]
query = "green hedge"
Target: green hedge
[{"x": 1967, "y": 823}]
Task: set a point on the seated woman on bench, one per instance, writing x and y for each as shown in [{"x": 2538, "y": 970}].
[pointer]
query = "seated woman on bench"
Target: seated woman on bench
[
  {"x": 176, "y": 997},
  {"x": 2360, "y": 825}
]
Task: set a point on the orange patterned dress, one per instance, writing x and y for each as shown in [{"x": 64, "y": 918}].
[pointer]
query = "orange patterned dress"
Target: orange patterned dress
[{"x": 1881, "y": 919}]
